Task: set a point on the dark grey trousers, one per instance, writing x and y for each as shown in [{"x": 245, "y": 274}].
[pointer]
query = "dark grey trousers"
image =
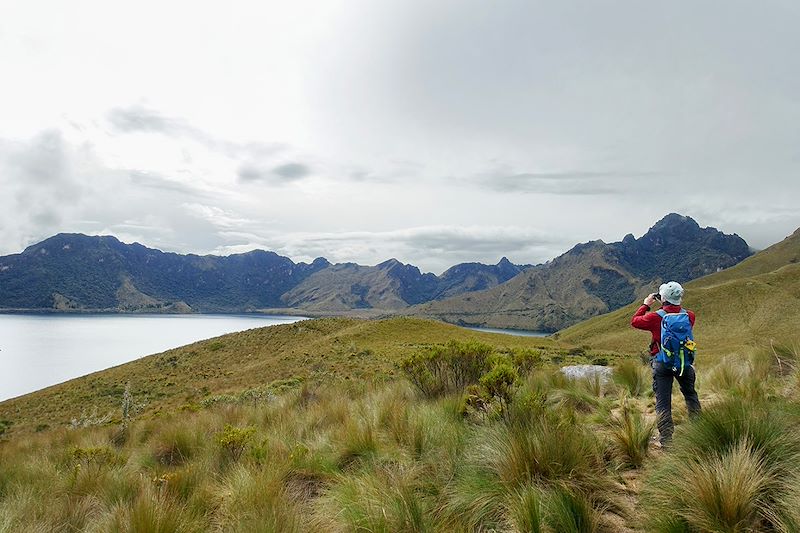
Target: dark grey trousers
[{"x": 662, "y": 387}]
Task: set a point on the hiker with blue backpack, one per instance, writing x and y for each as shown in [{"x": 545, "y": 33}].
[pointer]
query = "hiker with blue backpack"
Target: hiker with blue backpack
[{"x": 672, "y": 353}]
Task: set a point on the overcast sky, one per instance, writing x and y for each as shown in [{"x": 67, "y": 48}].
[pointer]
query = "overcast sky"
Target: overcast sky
[{"x": 435, "y": 132}]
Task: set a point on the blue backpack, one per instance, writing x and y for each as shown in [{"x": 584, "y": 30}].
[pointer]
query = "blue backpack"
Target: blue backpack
[{"x": 677, "y": 340}]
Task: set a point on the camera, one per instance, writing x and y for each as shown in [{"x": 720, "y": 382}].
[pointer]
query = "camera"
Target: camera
[{"x": 657, "y": 296}]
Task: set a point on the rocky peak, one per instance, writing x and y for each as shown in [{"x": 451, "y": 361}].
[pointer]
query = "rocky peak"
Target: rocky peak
[{"x": 674, "y": 221}]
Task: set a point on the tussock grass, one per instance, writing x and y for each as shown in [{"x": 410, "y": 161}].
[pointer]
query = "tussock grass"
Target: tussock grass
[
  {"x": 633, "y": 377},
  {"x": 569, "y": 511},
  {"x": 734, "y": 469},
  {"x": 563, "y": 456},
  {"x": 630, "y": 435},
  {"x": 728, "y": 374}
]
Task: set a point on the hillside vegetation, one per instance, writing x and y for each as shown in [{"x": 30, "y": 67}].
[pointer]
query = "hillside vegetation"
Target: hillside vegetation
[
  {"x": 752, "y": 304},
  {"x": 321, "y": 350},
  {"x": 486, "y": 439}
]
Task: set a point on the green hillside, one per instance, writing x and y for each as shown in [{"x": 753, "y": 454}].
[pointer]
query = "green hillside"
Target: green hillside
[
  {"x": 748, "y": 305},
  {"x": 322, "y": 350}
]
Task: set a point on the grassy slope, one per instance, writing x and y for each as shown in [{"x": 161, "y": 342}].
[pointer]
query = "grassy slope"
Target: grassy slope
[
  {"x": 320, "y": 350},
  {"x": 746, "y": 305}
]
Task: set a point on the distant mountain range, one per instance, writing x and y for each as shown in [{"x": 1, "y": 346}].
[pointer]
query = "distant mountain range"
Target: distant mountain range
[
  {"x": 74, "y": 272},
  {"x": 595, "y": 277}
]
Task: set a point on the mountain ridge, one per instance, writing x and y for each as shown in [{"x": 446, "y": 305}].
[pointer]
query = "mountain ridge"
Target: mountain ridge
[
  {"x": 71, "y": 272},
  {"x": 79, "y": 273},
  {"x": 752, "y": 303},
  {"x": 594, "y": 277}
]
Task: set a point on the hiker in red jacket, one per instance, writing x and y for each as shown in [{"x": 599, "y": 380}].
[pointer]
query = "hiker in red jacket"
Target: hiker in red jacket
[{"x": 670, "y": 295}]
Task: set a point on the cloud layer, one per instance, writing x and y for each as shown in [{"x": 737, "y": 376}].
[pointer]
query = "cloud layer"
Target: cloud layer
[{"x": 431, "y": 132}]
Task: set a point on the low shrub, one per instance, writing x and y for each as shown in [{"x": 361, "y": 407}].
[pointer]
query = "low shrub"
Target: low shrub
[
  {"x": 447, "y": 369},
  {"x": 234, "y": 440},
  {"x": 499, "y": 384}
]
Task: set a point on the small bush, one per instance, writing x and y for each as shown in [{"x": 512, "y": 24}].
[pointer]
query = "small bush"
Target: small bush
[
  {"x": 499, "y": 384},
  {"x": 219, "y": 399},
  {"x": 527, "y": 360},
  {"x": 95, "y": 456},
  {"x": 447, "y": 369},
  {"x": 234, "y": 440}
]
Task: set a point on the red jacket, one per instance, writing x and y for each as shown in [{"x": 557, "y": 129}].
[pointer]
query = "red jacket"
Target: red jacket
[{"x": 652, "y": 322}]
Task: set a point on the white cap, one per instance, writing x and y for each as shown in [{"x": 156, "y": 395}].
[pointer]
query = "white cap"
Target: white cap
[{"x": 671, "y": 292}]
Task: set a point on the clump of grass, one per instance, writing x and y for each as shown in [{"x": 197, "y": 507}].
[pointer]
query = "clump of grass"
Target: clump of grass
[
  {"x": 358, "y": 443},
  {"x": 727, "y": 375},
  {"x": 632, "y": 377},
  {"x": 551, "y": 452},
  {"x": 155, "y": 513},
  {"x": 575, "y": 398},
  {"x": 777, "y": 360},
  {"x": 387, "y": 499},
  {"x": 569, "y": 511},
  {"x": 254, "y": 501},
  {"x": 630, "y": 435},
  {"x": 475, "y": 501},
  {"x": 175, "y": 445},
  {"x": 525, "y": 509},
  {"x": 732, "y": 469}
]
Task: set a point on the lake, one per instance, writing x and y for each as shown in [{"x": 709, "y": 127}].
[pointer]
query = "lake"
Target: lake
[
  {"x": 518, "y": 332},
  {"x": 37, "y": 351}
]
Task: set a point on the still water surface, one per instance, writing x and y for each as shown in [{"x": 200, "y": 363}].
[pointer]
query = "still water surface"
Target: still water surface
[{"x": 41, "y": 350}]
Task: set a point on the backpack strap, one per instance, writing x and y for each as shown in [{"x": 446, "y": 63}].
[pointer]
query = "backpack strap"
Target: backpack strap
[{"x": 661, "y": 313}]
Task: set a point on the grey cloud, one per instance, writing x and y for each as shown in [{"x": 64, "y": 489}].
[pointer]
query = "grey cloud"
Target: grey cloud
[
  {"x": 563, "y": 183},
  {"x": 137, "y": 118},
  {"x": 41, "y": 160},
  {"x": 292, "y": 171},
  {"x": 155, "y": 181},
  {"x": 287, "y": 172},
  {"x": 40, "y": 183}
]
